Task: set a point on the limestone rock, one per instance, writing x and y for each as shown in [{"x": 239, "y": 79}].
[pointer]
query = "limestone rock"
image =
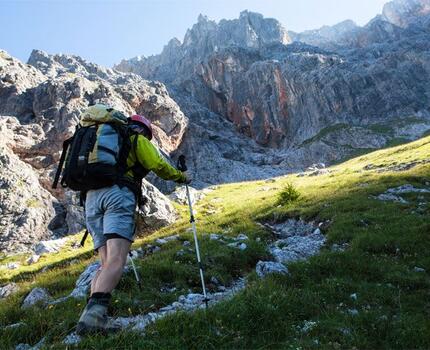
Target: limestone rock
[
  {"x": 256, "y": 104},
  {"x": 404, "y": 12},
  {"x": 8, "y": 289},
  {"x": 299, "y": 240},
  {"x": 241, "y": 237},
  {"x": 158, "y": 211},
  {"x": 43, "y": 101},
  {"x": 167, "y": 239},
  {"x": 23, "y": 346},
  {"x": 25, "y": 207},
  {"x": 311, "y": 103},
  {"x": 33, "y": 259},
  {"x": 265, "y": 268},
  {"x": 83, "y": 283},
  {"x": 17, "y": 81},
  {"x": 180, "y": 195},
  {"x": 35, "y": 296},
  {"x": 238, "y": 245},
  {"x": 75, "y": 216},
  {"x": 12, "y": 265},
  {"x": 50, "y": 246},
  {"x": 72, "y": 339}
]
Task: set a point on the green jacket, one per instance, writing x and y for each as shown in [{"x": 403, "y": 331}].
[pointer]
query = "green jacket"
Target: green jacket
[{"x": 147, "y": 155}]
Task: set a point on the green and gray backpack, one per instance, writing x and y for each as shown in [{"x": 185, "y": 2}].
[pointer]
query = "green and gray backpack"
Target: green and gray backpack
[{"x": 96, "y": 155}]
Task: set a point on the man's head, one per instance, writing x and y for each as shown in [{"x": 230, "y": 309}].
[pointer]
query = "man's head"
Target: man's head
[{"x": 141, "y": 125}]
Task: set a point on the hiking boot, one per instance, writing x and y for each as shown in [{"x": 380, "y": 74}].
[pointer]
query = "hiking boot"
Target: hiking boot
[{"x": 94, "y": 318}]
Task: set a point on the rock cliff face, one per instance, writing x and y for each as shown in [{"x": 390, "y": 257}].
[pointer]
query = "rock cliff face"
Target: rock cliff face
[
  {"x": 243, "y": 99},
  {"x": 324, "y": 35},
  {"x": 403, "y": 13},
  {"x": 40, "y": 103},
  {"x": 26, "y": 208},
  {"x": 284, "y": 95},
  {"x": 178, "y": 59}
]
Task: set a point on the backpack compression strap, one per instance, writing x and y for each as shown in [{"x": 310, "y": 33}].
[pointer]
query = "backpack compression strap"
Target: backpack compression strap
[
  {"x": 84, "y": 238},
  {"x": 66, "y": 145}
]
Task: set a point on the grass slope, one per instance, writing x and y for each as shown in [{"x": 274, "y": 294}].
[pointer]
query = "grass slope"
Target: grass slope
[{"x": 310, "y": 308}]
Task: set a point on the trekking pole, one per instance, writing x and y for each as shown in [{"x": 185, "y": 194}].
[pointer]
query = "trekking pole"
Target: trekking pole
[
  {"x": 182, "y": 167},
  {"x": 135, "y": 271}
]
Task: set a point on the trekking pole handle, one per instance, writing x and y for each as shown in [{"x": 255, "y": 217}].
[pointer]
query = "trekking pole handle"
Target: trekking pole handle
[{"x": 181, "y": 163}]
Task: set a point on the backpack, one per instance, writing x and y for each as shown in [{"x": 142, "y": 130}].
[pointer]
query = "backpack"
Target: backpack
[{"x": 96, "y": 155}]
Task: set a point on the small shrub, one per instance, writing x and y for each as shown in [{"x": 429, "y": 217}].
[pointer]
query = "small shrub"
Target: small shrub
[{"x": 288, "y": 195}]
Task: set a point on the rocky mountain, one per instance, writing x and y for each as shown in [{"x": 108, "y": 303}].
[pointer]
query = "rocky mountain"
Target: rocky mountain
[
  {"x": 243, "y": 99},
  {"x": 289, "y": 95},
  {"x": 403, "y": 13},
  {"x": 324, "y": 35}
]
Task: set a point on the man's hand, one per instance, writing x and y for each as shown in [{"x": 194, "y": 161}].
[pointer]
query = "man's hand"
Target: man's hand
[{"x": 188, "y": 177}]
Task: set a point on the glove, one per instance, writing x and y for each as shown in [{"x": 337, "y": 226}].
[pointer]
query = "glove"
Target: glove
[{"x": 188, "y": 177}]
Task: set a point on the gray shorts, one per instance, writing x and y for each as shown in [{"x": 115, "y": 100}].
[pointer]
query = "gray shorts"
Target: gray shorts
[{"x": 110, "y": 210}]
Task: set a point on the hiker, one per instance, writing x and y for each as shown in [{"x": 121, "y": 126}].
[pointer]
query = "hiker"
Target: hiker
[{"x": 110, "y": 210}]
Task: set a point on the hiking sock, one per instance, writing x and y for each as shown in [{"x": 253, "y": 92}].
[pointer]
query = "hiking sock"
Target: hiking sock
[{"x": 100, "y": 298}]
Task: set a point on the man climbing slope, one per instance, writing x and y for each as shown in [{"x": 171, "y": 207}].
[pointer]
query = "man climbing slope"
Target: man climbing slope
[{"x": 111, "y": 221}]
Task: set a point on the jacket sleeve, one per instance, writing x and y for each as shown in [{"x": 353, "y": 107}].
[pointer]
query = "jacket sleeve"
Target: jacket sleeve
[{"x": 151, "y": 159}]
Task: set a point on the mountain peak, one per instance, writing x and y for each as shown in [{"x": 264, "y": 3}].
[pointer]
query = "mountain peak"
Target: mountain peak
[
  {"x": 404, "y": 12},
  {"x": 202, "y": 18},
  {"x": 249, "y": 14}
]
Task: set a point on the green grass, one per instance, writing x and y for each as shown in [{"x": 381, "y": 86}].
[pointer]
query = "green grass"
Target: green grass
[
  {"x": 385, "y": 240},
  {"x": 381, "y": 128},
  {"x": 324, "y": 132},
  {"x": 396, "y": 142}
]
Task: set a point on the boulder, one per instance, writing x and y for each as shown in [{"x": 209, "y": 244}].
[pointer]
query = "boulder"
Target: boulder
[
  {"x": 33, "y": 259},
  {"x": 13, "y": 265},
  {"x": 83, "y": 283},
  {"x": 37, "y": 295},
  {"x": 180, "y": 195},
  {"x": 50, "y": 246},
  {"x": 8, "y": 289},
  {"x": 158, "y": 211},
  {"x": 299, "y": 240},
  {"x": 75, "y": 216},
  {"x": 265, "y": 268}
]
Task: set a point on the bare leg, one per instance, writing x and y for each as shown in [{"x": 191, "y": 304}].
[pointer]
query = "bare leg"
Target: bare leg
[
  {"x": 102, "y": 253},
  {"x": 116, "y": 257}
]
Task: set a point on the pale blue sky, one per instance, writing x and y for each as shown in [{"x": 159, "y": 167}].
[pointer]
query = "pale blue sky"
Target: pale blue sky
[{"x": 104, "y": 32}]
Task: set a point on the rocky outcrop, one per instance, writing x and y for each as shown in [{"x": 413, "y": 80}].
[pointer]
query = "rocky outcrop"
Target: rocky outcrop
[
  {"x": 405, "y": 12},
  {"x": 324, "y": 35},
  {"x": 37, "y": 295},
  {"x": 178, "y": 59},
  {"x": 8, "y": 289},
  {"x": 265, "y": 268},
  {"x": 43, "y": 101},
  {"x": 281, "y": 94},
  {"x": 26, "y": 208},
  {"x": 158, "y": 211},
  {"x": 245, "y": 99},
  {"x": 17, "y": 81},
  {"x": 73, "y": 84}
]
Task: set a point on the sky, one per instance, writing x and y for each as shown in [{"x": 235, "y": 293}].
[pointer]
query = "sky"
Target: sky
[{"x": 106, "y": 31}]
